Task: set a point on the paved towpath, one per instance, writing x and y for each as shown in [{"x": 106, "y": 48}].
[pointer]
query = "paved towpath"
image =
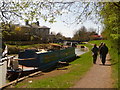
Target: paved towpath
[{"x": 99, "y": 76}]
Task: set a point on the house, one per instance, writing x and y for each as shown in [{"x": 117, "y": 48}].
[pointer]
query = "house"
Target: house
[
  {"x": 39, "y": 31},
  {"x": 35, "y": 30},
  {"x": 28, "y": 32}
]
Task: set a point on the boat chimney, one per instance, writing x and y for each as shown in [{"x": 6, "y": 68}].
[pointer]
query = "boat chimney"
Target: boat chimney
[
  {"x": 37, "y": 23},
  {"x": 26, "y": 22}
]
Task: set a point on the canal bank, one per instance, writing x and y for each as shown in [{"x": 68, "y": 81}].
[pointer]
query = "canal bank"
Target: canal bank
[{"x": 63, "y": 77}]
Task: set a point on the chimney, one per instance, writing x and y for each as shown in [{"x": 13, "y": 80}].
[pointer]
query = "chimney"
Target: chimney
[
  {"x": 26, "y": 22},
  {"x": 37, "y": 23}
]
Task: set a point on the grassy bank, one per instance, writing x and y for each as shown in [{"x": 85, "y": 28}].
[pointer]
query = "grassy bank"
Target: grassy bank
[
  {"x": 74, "y": 72},
  {"x": 114, "y": 59}
]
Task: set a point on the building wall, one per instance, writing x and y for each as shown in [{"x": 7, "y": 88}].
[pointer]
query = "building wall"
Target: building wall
[{"x": 43, "y": 32}]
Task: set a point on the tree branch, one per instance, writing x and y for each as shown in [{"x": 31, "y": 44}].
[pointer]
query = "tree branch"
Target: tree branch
[{"x": 118, "y": 5}]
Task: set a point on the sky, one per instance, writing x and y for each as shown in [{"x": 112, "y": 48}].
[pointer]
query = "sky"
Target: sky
[{"x": 68, "y": 30}]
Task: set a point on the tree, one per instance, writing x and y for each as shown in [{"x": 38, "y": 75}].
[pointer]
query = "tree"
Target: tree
[
  {"x": 59, "y": 35},
  {"x": 110, "y": 14},
  {"x": 80, "y": 34},
  {"x": 83, "y": 34},
  {"x": 48, "y": 10}
]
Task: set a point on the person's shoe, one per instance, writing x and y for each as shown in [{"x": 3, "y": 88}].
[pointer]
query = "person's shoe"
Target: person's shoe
[{"x": 103, "y": 63}]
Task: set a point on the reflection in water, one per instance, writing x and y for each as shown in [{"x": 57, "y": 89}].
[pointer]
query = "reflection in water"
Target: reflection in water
[{"x": 79, "y": 52}]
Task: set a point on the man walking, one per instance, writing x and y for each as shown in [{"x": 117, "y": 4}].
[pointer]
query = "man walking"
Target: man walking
[
  {"x": 95, "y": 53},
  {"x": 99, "y": 49},
  {"x": 103, "y": 52}
]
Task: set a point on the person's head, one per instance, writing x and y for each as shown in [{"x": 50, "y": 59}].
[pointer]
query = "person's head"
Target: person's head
[
  {"x": 101, "y": 43},
  {"x": 104, "y": 44},
  {"x": 95, "y": 45}
]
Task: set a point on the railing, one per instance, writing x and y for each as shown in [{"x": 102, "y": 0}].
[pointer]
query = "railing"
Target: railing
[{"x": 6, "y": 58}]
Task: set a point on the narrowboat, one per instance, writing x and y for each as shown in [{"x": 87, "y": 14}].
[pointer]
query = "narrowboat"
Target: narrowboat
[{"x": 32, "y": 60}]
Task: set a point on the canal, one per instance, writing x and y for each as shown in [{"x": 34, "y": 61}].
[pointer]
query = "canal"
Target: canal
[{"x": 79, "y": 52}]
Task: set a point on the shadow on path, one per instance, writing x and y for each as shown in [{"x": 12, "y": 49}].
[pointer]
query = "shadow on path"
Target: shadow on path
[{"x": 109, "y": 64}]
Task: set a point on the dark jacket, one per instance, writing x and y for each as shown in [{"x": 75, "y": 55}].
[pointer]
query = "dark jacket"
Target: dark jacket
[
  {"x": 104, "y": 50},
  {"x": 94, "y": 50}
]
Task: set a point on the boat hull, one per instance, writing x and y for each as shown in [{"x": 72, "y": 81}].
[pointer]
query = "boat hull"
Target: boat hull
[{"x": 48, "y": 59}]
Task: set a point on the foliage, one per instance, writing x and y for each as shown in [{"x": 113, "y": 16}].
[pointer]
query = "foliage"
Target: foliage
[
  {"x": 48, "y": 11},
  {"x": 14, "y": 32},
  {"x": 83, "y": 34},
  {"x": 110, "y": 13},
  {"x": 111, "y": 16}
]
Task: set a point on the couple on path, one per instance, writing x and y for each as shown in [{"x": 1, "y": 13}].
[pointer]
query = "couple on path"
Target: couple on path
[{"x": 103, "y": 50}]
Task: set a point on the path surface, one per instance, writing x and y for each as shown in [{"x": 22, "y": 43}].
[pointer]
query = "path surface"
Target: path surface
[{"x": 99, "y": 76}]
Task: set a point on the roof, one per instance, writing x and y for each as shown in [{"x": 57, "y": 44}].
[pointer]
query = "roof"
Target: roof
[
  {"x": 33, "y": 26},
  {"x": 43, "y": 27},
  {"x": 25, "y": 25},
  {"x": 97, "y": 36},
  {"x": 53, "y": 44},
  {"x": 36, "y": 26}
]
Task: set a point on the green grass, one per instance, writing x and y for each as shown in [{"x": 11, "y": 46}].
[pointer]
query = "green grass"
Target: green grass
[
  {"x": 76, "y": 70},
  {"x": 114, "y": 59}
]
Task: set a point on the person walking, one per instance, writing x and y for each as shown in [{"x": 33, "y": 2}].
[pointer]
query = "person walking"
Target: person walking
[
  {"x": 103, "y": 52},
  {"x": 94, "y": 53},
  {"x": 101, "y": 44}
]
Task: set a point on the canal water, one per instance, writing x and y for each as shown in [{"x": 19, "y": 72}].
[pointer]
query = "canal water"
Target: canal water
[{"x": 79, "y": 52}]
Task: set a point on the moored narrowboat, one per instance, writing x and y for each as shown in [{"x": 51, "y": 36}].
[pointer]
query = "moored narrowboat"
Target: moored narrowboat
[{"x": 32, "y": 60}]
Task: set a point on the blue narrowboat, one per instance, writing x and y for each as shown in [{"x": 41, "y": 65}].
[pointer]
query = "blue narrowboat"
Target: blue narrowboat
[{"x": 47, "y": 59}]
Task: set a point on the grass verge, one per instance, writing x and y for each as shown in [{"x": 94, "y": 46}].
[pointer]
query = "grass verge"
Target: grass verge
[{"x": 76, "y": 69}]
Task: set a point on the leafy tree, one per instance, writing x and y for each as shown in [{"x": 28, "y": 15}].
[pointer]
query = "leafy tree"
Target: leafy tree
[
  {"x": 80, "y": 34},
  {"x": 110, "y": 14},
  {"x": 47, "y": 10},
  {"x": 83, "y": 34}
]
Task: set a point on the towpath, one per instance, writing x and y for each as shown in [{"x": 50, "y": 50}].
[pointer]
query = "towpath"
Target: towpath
[{"x": 99, "y": 76}]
